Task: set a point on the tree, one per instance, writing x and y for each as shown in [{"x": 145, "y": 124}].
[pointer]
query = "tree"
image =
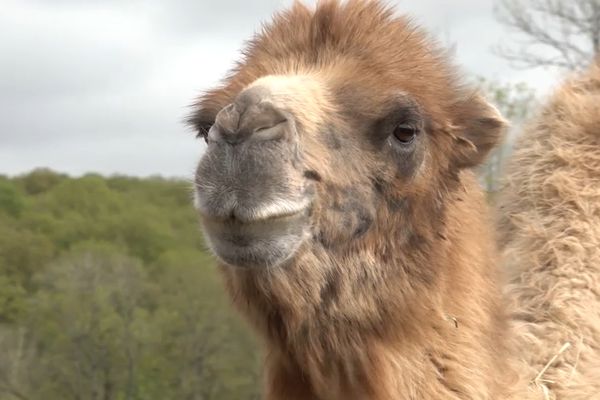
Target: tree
[
  {"x": 17, "y": 363},
  {"x": 106, "y": 293},
  {"x": 12, "y": 300},
  {"x": 11, "y": 201},
  {"x": 556, "y": 33},
  {"x": 206, "y": 352},
  {"x": 40, "y": 180},
  {"x": 87, "y": 315}
]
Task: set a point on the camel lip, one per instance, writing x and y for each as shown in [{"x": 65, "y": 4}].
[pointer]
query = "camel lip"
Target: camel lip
[
  {"x": 251, "y": 239},
  {"x": 235, "y": 219},
  {"x": 274, "y": 212}
]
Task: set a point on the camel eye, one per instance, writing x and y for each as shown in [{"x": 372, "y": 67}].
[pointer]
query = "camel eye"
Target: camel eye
[{"x": 405, "y": 133}]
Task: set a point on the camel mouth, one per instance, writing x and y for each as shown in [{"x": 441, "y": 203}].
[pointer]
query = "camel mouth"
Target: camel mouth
[
  {"x": 252, "y": 216},
  {"x": 254, "y": 239},
  {"x": 279, "y": 210}
]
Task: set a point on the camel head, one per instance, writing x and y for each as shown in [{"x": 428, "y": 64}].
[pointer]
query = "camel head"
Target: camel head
[{"x": 343, "y": 129}]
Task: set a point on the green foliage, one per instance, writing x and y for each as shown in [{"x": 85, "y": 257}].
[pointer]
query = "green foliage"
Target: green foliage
[
  {"x": 11, "y": 202},
  {"x": 39, "y": 181},
  {"x": 106, "y": 293},
  {"x": 12, "y": 300}
]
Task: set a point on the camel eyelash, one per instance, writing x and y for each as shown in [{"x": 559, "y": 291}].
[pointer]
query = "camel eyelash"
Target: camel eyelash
[{"x": 203, "y": 131}]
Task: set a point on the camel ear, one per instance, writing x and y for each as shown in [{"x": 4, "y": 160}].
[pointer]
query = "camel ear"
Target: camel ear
[{"x": 480, "y": 128}]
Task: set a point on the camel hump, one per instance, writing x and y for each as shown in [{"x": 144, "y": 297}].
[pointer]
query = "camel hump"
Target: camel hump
[{"x": 549, "y": 227}]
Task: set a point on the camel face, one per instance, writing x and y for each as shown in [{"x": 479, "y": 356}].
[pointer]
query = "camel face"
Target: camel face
[
  {"x": 315, "y": 153},
  {"x": 267, "y": 186}
]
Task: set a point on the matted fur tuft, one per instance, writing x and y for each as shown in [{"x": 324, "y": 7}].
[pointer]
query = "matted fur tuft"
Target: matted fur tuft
[{"x": 550, "y": 233}]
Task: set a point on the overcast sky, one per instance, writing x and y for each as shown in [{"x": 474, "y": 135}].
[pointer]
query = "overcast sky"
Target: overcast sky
[{"x": 104, "y": 85}]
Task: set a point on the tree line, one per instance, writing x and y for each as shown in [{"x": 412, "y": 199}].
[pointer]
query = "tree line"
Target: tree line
[{"x": 106, "y": 293}]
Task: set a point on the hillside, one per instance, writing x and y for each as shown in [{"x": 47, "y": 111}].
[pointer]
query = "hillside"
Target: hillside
[{"x": 106, "y": 293}]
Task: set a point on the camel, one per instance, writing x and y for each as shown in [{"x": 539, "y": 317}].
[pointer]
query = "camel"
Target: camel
[
  {"x": 549, "y": 231},
  {"x": 338, "y": 194}
]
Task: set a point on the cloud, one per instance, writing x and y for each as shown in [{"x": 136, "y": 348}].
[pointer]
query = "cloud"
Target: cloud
[{"x": 104, "y": 85}]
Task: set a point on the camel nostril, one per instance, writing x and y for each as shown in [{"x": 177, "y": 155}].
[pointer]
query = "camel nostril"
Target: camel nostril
[
  {"x": 251, "y": 117},
  {"x": 220, "y": 134},
  {"x": 228, "y": 119},
  {"x": 265, "y": 127},
  {"x": 270, "y": 132}
]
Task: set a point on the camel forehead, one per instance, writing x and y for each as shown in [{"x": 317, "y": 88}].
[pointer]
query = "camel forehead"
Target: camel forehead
[
  {"x": 305, "y": 96},
  {"x": 282, "y": 86}
]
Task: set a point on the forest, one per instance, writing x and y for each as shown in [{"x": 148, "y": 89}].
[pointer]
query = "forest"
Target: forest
[{"x": 107, "y": 292}]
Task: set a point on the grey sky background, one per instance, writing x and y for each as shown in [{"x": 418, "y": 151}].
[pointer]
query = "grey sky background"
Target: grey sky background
[{"x": 102, "y": 86}]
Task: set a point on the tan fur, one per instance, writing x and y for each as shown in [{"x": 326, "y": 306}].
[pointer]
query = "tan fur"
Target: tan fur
[
  {"x": 411, "y": 307},
  {"x": 303, "y": 95},
  {"x": 550, "y": 229}
]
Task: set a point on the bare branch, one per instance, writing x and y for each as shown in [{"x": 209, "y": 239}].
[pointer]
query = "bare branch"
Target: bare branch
[{"x": 556, "y": 33}]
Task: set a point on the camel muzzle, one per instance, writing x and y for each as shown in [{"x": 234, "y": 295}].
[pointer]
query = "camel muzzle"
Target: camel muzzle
[{"x": 250, "y": 190}]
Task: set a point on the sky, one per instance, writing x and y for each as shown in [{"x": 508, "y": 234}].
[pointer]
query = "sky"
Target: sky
[{"x": 104, "y": 85}]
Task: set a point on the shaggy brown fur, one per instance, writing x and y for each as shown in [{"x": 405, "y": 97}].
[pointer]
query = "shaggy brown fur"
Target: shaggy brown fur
[
  {"x": 396, "y": 295},
  {"x": 550, "y": 231}
]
